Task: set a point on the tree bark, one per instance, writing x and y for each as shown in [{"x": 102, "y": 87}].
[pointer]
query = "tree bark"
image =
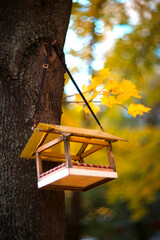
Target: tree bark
[
  {"x": 74, "y": 218},
  {"x": 25, "y": 29}
]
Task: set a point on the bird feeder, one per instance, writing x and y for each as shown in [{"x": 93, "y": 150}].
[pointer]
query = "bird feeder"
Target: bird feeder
[{"x": 55, "y": 143}]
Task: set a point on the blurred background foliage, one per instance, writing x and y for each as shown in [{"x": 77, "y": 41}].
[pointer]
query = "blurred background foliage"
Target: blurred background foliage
[{"x": 122, "y": 35}]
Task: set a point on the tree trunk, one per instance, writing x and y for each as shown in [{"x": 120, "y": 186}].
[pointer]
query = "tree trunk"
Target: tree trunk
[
  {"x": 25, "y": 29},
  {"x": 74, "y": 218}
]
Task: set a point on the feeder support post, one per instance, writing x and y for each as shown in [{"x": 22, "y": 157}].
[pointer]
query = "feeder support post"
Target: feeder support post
[
  {"x": 39, "y": 164},
  {"x": 111, "y": 157},
  {"x": 67, "y": 151}
]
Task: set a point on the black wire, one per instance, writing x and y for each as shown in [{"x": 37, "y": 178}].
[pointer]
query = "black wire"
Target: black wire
[{"x": 75, "y": 84}]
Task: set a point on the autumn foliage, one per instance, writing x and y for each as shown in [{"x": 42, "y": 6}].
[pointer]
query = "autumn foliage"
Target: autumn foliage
[{"x": 105, "y": 87}]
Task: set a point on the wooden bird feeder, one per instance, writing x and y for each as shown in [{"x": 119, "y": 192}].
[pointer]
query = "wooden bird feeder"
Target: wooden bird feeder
[{"x": 72, "y": 172}]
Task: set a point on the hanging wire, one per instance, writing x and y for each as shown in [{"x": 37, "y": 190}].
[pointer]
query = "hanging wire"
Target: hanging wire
[
  {"x": 75, "y": 84},
  {"x": 45, "y": 67}
]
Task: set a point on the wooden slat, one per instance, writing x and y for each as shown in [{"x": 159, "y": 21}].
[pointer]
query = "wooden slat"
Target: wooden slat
[
  {"x": 67, "y": 152},
  {"x": 50, "y": 144},
  {"x": 82, "y": 149},
  {"x": 82, "y": 132},
  {"x": 111, "y": 157},
  {"x": 88, "y": 140},
  {"x": 90, "y": 151},
  {"x": 97, "y": 184},
  {"x": 43, "y": 138},
  {"x": 54, "y": 187},
  {"x": 58, "y": 155},
  {"x": 93, "y": 168},
  {"x": 39, "y": 165}
]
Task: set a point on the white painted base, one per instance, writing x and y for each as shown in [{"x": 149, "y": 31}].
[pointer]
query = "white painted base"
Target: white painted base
[{"x": 79, "y": 179}]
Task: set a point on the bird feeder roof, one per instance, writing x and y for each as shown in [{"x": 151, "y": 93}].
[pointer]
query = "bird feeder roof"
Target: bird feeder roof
[{"x": 47, "y": 132}]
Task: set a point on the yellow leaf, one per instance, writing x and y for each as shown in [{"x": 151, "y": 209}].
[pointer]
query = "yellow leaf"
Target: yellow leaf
[
  {"x": 113, "y": 87},
  {"x": 137, "y": 109},
  {"x": 130, "y": 89},
  {"x": 102, "y": 76},
  {"x": 78, "y": 98},
  {"x": 66, "y": 77},
  {"x": 105, "y": 72},
  {"x": 88, "y": 87},
  {"x": 94, "y": 95},
  {"x": 108, "y": 100},
  {"x": 123, "y": 98}
]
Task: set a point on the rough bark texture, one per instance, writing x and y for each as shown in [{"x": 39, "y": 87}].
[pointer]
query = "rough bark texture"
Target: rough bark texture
[
  {"x": 25, "y": 27},
  {"x": 74, "y": 218}
]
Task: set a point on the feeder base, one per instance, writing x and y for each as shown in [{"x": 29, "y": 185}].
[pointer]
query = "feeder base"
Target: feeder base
[{"x": 76, "y": 178}]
